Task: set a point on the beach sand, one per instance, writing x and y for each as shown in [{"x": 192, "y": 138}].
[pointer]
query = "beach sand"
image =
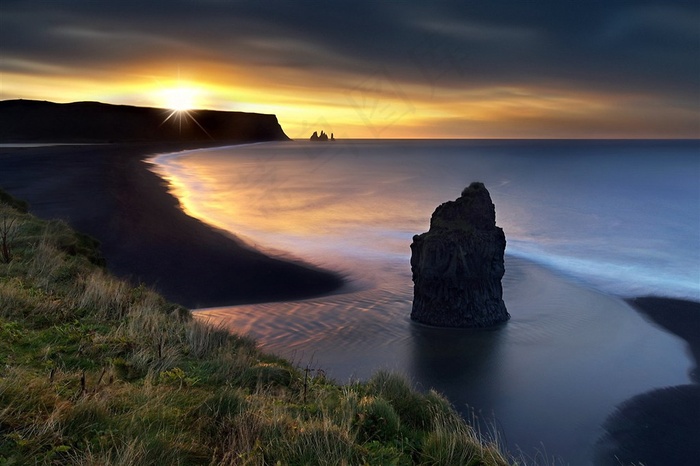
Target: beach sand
[
  {"x": 107, "y": 191},
  {"x": 661, "y": 426},
  {"x": 680, "y": 317}
]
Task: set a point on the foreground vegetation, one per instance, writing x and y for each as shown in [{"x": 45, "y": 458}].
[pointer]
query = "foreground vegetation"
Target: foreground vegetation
[{"x": 94, "y": 371}]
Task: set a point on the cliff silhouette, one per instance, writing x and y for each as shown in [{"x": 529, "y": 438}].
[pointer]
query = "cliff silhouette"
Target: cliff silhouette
[{"x": 88, "y": 122}]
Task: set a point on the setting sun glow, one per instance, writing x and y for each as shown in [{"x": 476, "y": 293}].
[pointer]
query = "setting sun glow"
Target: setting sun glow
[
  {"x": 179, "y": 98},
  {"x": 463, "y": 71}
]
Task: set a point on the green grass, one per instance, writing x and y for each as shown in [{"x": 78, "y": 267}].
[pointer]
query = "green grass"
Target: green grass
[{"x": 94, "y": 371}]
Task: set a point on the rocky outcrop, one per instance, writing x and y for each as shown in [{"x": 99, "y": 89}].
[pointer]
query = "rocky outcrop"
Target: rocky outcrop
[
  {"x": 37, "y": 121},
  {"x": 321, "y": 137},
  {"x": 458, "y": 264}
]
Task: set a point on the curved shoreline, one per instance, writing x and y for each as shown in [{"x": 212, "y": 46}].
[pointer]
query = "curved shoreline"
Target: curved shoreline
[
  {"x": 678, "y": 316},
  {"x": 108, "y": 192},
  {"x": 659, "y": 426}
]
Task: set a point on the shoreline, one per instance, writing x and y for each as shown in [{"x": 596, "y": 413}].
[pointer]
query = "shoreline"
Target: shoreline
[
  {"x": 99, "y": 180},
  {"x": 117, "y": 179},
  {"x": 660, "y": 426},
  {"x": 109, "y": 192},
  {"x": 680, "y": 317}
]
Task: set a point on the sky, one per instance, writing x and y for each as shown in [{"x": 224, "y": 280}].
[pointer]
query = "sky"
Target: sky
[{"x": 373, "y": 69}]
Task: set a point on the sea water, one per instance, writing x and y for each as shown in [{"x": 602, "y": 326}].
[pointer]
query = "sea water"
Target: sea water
[
  {"x": 619, "y": 215},
  {"x": 586, "y": 222}
]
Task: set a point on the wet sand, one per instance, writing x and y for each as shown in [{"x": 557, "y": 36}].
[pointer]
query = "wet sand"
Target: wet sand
[{"x": 108, "y": 192}]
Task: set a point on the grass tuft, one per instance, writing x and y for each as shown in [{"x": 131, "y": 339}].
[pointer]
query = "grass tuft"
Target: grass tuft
[{"x": 377, "y": 420}]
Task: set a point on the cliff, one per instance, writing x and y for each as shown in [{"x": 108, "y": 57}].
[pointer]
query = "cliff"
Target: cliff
[
  {"x": 88, "y": 122},
  {"x": 458, "y": 264}
]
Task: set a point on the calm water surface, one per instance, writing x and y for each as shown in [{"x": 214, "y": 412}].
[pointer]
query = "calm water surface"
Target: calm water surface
[{"x": 586, "y": 223}]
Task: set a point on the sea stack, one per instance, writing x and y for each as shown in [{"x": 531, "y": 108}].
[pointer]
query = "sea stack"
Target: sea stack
[{"x": 458, "y": 264}]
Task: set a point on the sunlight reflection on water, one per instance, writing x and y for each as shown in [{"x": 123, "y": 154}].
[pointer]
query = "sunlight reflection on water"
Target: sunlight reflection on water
[
  {"x": 569, "y": 355},
  {"x": 583, "y": 213}
]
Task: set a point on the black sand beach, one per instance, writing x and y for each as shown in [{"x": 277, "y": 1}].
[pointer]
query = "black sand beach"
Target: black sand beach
[
  {"x": 680, "y": 317},
  {"x": 660, "y": 427},
  {"x": 107, "y": 191}
]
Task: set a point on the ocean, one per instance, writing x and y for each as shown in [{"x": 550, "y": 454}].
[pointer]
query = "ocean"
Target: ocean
[{"x": 587, "y": 223}]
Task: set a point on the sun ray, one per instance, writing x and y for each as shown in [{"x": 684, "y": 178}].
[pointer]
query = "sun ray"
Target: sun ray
[
  {"x": 188, "y": 114},
  {"x": 184, "y": 114},
  {"x": 180, "y": 99}
]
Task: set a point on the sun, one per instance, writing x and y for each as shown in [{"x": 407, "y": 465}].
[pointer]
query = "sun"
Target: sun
[
  {"x": 181, "y": 102},
  {"x": 180, "y": 99}
]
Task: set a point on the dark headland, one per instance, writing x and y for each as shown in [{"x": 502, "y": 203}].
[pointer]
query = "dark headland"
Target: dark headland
[
  {"x": 85, "y": 122},
  {"x": 108, "y": 192}
]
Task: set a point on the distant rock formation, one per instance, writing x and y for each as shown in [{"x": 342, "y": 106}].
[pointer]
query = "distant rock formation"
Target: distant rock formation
[
  {"x": 322, "y": 137},
  {"x": 458, "y": 264},
  {"x": 38, "y": 121}
]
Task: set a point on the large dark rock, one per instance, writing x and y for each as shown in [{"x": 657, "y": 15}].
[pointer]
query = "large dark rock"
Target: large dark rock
[{"x": 458, "y": 264}]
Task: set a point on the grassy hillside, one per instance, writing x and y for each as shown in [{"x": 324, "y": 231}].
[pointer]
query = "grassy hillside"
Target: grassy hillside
[{"x": 94, "y": 371}]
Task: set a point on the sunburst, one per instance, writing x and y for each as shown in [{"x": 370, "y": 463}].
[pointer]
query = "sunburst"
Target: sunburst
[
  {"x": 180, "y": 98},
  {"x": 181, "y": 101}
]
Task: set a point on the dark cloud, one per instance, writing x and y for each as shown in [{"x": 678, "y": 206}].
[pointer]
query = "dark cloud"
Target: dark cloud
[{"x": 650, "y": 47}]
